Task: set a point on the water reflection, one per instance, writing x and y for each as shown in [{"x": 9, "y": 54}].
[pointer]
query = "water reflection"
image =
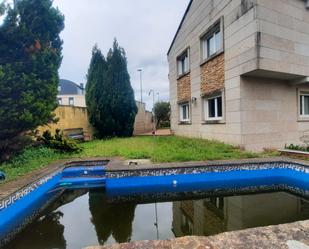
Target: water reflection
[
  {"x": 80, "y": 218},
  {"x": 44, "y": 233},
  {"x": 111, "y": 218},
  {"x": 214, "y": 215}
]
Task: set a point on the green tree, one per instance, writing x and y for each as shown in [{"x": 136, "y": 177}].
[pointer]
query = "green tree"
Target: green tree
[
  {"x": 30, "y": 56},
  {"x": 110, "y": 97},
  {"x": 162, "y": 111},
  {"x": 96, "y": 80},
  {"x": 3, "y": 8}
]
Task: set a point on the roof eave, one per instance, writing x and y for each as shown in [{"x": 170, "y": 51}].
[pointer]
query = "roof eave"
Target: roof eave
[{"x": 180, "y": 25}]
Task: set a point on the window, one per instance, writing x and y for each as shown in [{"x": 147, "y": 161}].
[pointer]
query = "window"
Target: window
[
  {"x": 213, "y": 108},
  {"x": 71, "y": 101},
  {"x": 184, "y": 112},
  {"x": 59, "y": 101},
  {"x": 304, "y": 104},
  {"x": 183, "y": 63},
  {"x": 212, "y": 42}
]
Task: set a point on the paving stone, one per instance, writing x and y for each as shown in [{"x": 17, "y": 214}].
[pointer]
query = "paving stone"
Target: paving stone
[{"x": 286, "y": 236}]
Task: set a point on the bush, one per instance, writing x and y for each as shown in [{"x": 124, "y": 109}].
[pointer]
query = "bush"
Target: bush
[
  {"x": 59, "y": 142},
  {"x": 297, "y": 147}
]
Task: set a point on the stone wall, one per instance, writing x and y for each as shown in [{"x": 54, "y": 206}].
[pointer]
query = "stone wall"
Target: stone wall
[
  {"x": 184, "y": 88},
  {"x": 212, "y": 75}
]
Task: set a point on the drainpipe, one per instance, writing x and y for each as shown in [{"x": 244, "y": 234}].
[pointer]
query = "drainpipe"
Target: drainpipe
[{"x": 307, "y": 4}]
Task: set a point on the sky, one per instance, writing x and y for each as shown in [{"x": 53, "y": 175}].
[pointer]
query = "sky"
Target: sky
[{"x": 144, "y": 28}]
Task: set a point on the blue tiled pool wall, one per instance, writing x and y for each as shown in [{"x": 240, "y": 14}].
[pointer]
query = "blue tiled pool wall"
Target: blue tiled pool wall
[
  {"x": 25, "y": 206},
  {"x": 38, "y": 195},
  {"x": 8, "y": 201},
  {"x": 282, "y": 176}
]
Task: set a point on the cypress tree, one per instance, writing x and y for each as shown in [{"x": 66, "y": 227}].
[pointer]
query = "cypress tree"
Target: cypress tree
[
  {"x": 112, "y": 94},
  {"x": 94, "y": 89},
  {"x": 30, "y": 56}
]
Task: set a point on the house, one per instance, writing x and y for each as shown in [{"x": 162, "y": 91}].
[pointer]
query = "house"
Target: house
[
  {"x": 70, "y": 93},
  {"x": 238, "y": 72},
  {"x": 215, "y": 215}
]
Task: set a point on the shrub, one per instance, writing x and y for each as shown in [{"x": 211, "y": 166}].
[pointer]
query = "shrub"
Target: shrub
[
  {"x": 297, "y": 147},
  {"x": 59, "y": 142}
]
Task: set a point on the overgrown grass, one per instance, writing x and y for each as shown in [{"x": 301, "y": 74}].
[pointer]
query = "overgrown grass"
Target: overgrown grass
[
  {"x": 30, "y": 159},
  {"x": 159, "y": 149}
]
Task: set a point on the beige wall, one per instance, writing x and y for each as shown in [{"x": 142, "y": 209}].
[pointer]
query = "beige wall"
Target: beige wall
[
  {"x": 143, "y": 120},
  {"x": 269, "y": 113},
  {"x": 73, "y": 117},
  {"x": 266, "y": 40}
]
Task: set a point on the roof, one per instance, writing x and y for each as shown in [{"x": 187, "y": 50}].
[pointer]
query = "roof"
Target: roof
[
  {"x": 180, "y": 25},
  {"x": 69, "y": 87}
]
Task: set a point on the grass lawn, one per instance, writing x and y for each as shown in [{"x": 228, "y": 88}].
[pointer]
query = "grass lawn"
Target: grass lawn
[{"x": 159, "y": 149}]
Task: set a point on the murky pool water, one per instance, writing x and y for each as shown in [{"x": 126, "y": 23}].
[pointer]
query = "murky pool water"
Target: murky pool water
[{"x": 80, "y": 218}]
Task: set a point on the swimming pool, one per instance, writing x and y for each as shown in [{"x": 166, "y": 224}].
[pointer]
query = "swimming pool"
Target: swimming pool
[
  {"x": 106, "y": 221},
  {"x": 167, "y": 187}
]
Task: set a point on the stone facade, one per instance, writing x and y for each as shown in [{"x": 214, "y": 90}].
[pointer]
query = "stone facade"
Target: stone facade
[
  {"x": 265, "y": 57},
  {"x": 212, "y": 75},
  {"x": 184, "y": 88}
]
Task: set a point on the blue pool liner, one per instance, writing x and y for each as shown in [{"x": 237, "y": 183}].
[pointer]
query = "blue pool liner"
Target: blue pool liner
[{"x": 206, "y": 181}]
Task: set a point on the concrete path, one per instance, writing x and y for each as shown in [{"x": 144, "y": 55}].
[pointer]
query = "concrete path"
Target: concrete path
[{"x": 159, "y": 132}]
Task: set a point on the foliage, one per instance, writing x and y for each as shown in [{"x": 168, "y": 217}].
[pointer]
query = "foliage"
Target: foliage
[
  {"x": 158, "y": 149},
  {"x": 3, "y": 8},
  {"x": 30, "y": 51},
  {"x": 162, "y": 111},
  {"x": 59, "y": 142},
  {"x": 9, "y": 147},
  {"x": 297, "y": 147},
  {"x": 109, "y": 94}
]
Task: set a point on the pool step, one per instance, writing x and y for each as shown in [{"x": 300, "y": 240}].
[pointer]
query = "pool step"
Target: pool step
[
  {"x": 84, "y": 171},
  {"x": 83, "y": 177}
]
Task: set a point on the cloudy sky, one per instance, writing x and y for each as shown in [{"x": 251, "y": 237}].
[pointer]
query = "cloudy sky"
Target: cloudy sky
[{"x": 145, "y": 28}]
